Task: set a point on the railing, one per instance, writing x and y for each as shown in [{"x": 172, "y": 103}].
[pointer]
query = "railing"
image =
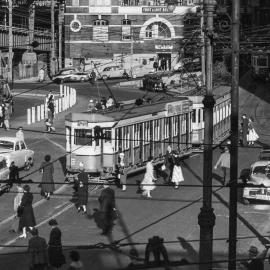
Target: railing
[{"x": 24, "y": 29}]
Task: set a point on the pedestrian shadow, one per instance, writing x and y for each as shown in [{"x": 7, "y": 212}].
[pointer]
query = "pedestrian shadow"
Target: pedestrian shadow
[
  {"x": 191, "y": 252},
  {"x": 218, "y": 178},
  {"x": 63, "y": 162}
]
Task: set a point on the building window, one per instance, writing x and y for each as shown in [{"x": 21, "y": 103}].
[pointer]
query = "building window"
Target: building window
[
  {"x": 157, "y": 30},
  {"x": 75, "y": 2},
  {"x": 100, "y": 30},
  {"x": 126, "y": 29}
]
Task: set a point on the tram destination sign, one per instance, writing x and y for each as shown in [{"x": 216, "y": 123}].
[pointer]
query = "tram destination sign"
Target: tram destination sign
[
  {"x": 177, "y": 107},
  {"x": 155, "y": 10}
]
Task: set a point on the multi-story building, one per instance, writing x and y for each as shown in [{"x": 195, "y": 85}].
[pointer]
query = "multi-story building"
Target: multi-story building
[{"x": 129, "y": 33}]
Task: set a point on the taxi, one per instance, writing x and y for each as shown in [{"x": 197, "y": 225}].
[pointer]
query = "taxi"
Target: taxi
[{"x": 258, "y": 184}]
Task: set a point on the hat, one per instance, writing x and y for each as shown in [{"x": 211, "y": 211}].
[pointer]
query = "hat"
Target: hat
[
  {"x": 52, "y": 222},
  {"x": 26, "y": 188},
  {"x": 253, "y": 250}
]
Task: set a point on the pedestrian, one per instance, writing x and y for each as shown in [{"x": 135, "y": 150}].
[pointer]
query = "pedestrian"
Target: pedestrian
[
  {"x": 105, "y": 216},
  {"x": 6, "y": 116},
  {"x": 2, "y": 114},
  {"x": 110, "y": 102},
  {"x": 50, "y": 106},
  {"x": 55, "y": 252},
  {"x": 82, "y": 189},
  {"x": 91, "y": 106},
  {"x": 224, "y": 162},
  {"x": 103, "y": 102},
  {"x": 41, "y": 75},
  {"x": 16, "y": 203},
  {"x": 13, "y": 174},
  {"x": 27, "y": 219},
  {"x": 19, "y": 134},
  {"x": 47, "y": 183},
  {"x": 177, "y": 176},
  {"x": 252, "y": 134},
  {"x": 37, "y": 249},
  {"x": 76, "y": 263},
  {"x": 169, "y": 163},
  {"x": 256, "y": 260},
  {"x": 148, "y": 182},
  {"x": 244, "y": 129}
]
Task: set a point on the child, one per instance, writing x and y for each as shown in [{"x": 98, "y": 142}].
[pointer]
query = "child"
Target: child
[{"x": 75, "y": 264}]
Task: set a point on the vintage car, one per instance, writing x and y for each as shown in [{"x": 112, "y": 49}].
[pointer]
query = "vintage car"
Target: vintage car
[
  {"x": 16, "y": 150},
  {"x": 4, "y": 174},
  {"x": 257, "y": 186}
]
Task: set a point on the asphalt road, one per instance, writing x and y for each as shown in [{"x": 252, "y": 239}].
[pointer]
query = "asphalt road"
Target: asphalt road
[{"x": 171, "y": 214}]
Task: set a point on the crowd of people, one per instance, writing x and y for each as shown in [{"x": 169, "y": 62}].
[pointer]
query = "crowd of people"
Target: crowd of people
[{"x": 101, "y": 104}]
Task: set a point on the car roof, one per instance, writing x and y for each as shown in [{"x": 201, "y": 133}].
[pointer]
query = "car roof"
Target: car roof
[
  {"x": 260, "y": 163},
  {"x": 10, "y": 139}
]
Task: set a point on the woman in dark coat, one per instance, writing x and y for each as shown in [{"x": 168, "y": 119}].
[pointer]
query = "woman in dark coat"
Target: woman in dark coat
[
  {"x": 47, "y": 183},
  {"x": 82, "y": 189},
  {"x": 27, "y": 218},
  {"x": 55, "y": 253},
  {"x": 105, "y": 216}
]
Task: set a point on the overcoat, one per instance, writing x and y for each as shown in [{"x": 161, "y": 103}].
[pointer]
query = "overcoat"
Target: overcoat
[
  {"x": 37, "y": 248},
  {"x": 56, "y": 257},
  {"x": 148, "y": 180},
  {"x": 83, "y": 188},
  {"x": 27, "y": 218},
  {"x": 47, "y": 183}
]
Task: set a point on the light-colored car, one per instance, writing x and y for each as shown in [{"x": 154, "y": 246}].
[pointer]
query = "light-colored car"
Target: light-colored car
[
  {"x": 4, "y": 175},
  {"x": 13, "y": 149},
  {"x": 258, "y": 182},
  {"x": 64, "y": 74},
  {"x": 78, "y": 77},
  {"x": 113, "y": 72}
]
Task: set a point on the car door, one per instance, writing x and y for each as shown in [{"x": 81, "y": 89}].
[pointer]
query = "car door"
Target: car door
[{"x": 18, "y": 157}]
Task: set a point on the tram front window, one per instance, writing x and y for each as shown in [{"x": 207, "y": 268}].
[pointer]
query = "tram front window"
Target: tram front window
[{"x": 83, "y": 137}]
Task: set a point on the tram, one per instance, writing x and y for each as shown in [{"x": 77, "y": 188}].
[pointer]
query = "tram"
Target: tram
[
  {"x": 260, "y": 63},
  {"x": 96, "y": 138},
  {"x": 221, "y": 119}
]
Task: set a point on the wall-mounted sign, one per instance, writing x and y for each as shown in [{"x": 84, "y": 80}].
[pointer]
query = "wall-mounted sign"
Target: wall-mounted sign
[
  {"x": 163, "y": 47},
  {"x": 75, "y": 25},
  {"x": 177, "y": 107},
  {"x": 155, "y": 10}
]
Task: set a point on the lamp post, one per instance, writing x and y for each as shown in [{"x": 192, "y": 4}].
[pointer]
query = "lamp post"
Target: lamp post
[{"x": 206, "y": 218}]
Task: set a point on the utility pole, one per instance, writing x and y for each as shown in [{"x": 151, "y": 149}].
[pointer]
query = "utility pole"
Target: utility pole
[
  {"x": 234, "y": 135},
  {"x": 202, "y": 46},
  {"x": 31, "y": 26},
  {"x": 60, "y": 34},
  {"x": 131, "y": 51},
  {"x": 53, "y": 58},
  {"x": 206, "y": 218},
  {"x": 10, "y": 43}
]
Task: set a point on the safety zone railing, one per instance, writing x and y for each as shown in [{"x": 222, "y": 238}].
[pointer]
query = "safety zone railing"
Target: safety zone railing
[{"x": 66, "y": 100}]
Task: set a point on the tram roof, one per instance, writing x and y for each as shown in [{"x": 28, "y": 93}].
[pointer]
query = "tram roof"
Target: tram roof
[{"x": 127, "y": 111}]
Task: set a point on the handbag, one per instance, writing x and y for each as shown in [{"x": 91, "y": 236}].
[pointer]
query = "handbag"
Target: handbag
[
  {"x": 20, "y": 210},
  {"x": 163, "y": 167}
]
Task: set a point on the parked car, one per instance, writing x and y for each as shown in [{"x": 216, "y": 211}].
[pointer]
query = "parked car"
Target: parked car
[
  {"x": 113, "y": 72},
  {"x": 4, "y": 175},
  {"x": 258, "y": 183},
  {"x": 13, "y": 149}
]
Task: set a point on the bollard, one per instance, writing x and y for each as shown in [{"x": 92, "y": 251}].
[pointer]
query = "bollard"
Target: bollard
[
  {"x": 59, "y": 105},
  {"x": 33, "y": 114},
  {"x": 28, "y": 116},
  {"x": 65, "y": 90},
  {"x": 42, "y": 113},
  {"x": 38, "y": 113},
  {"x": 61, "y": 90},
  {"x": 56, "y": 107},
  {"x": 64, "y": 103}
]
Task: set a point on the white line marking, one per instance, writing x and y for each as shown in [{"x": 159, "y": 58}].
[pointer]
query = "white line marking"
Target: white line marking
[
  {"x": 59, "y": 190},
  {"x": 55, "y": 143},
  {"x": 40, "y": 224}
]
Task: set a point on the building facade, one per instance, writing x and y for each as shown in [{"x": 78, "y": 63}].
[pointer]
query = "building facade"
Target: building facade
[{"x": 128, "y": 33}]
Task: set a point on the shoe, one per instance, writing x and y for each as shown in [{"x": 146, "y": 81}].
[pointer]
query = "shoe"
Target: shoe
[
  {"x": 84, "y": 212},
  {"x": 22, "y": 236},
  {"x": 79, "y": 209},
  {"x": 176, "y": 187}
]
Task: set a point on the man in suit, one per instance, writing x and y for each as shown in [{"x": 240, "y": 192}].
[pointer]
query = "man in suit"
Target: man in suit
[{"x": 37, "y": 248}]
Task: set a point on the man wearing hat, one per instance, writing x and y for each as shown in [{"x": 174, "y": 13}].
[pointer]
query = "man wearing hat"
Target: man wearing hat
[
  {"x": 256, "y": 260},
  {"x": 82, "y": 188},
  {"x": 224, "y": 163},
  {"x": 55, "y": 253},
  {"x": 37, "y": 248}
]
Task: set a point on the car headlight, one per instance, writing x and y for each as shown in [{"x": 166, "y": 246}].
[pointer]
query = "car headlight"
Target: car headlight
[{"x": 8, "y": 161}]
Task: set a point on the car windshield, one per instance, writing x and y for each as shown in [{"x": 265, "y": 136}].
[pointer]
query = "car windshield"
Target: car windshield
[
  {"x": 6, "y": 145},
  {"x": 261, "y": 170}
]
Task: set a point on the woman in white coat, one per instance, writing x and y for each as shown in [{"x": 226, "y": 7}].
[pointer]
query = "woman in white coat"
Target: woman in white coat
[
  {"x": 148, "y": 182},
  {"x": 177, "y": 176}
]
